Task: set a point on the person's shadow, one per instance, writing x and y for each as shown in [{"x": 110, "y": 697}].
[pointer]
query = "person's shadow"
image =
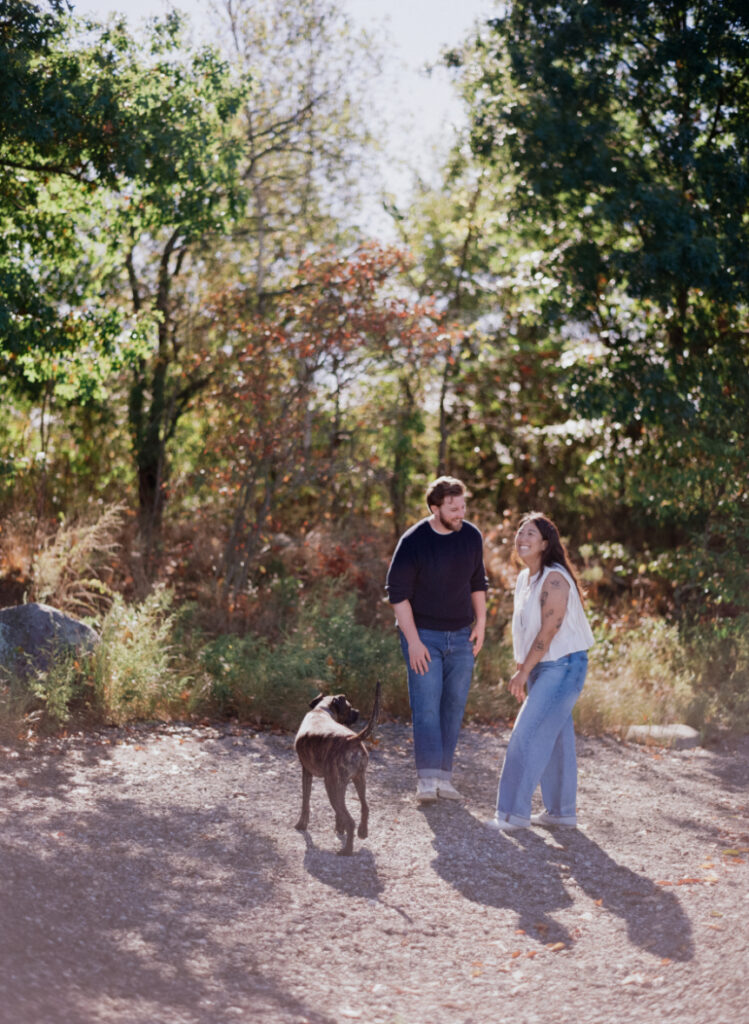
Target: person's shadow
[{"x": 524, "y": 872}]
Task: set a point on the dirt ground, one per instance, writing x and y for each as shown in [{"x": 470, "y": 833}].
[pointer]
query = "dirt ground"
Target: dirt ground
[{"x": 153, "y": 875}]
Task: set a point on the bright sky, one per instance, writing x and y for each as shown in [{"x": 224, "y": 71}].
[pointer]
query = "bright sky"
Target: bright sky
[{"x": 417, "y": 108}]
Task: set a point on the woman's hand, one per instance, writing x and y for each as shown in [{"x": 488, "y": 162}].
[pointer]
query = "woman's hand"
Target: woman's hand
[{"x": 517, "y": 685}]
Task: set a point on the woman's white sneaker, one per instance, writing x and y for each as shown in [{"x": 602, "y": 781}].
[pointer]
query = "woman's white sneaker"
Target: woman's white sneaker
[
  {"x": 502, "y": 825},
  {"x": 544, "y": 818}
]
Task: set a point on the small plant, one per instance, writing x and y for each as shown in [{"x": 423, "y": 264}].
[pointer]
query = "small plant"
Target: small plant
[
  {"x": 61, "y": 686},
  {"x": 65, "y": 572},
  {"x": 133, "y": 667}
]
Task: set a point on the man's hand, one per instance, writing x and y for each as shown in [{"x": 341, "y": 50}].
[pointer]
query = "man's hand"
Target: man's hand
[
  {"x": 419, "y": 657},
  {"x": 477, "y": 638}
]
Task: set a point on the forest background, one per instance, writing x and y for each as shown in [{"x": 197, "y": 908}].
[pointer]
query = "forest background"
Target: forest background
[{"x": 224, "y": 399}]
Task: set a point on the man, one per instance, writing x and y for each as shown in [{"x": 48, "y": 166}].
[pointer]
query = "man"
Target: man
[{"x": 437, "y": 586}]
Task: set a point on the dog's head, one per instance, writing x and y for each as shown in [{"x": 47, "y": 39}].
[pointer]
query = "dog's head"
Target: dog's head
[{"x": 337, "y": 706}]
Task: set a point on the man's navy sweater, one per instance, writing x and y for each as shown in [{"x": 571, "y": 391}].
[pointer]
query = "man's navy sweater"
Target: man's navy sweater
[{"x": 437, "y": 573}]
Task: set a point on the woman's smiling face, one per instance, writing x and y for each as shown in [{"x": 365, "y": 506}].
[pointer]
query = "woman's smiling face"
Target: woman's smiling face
[{"x": 530, "y": 545}]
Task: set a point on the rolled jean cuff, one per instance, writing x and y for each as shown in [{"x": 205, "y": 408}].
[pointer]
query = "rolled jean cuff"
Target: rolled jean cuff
[
  {"x": 434, "y": 773},
  {"x": 514, "y": 819}
]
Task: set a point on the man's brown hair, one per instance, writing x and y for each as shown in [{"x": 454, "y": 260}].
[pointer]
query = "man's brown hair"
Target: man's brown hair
[{"x": 442, "y": 488}]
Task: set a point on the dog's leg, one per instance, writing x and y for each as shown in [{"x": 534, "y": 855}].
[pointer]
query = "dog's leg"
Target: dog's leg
[
  {"x": 303, "y": 822},
  {"x": 337, "y": 794},
  {"x": 360, "y": 784}
]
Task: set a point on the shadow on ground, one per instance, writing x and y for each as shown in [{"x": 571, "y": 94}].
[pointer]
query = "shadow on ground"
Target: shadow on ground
[{"x": 526, "y": 872}]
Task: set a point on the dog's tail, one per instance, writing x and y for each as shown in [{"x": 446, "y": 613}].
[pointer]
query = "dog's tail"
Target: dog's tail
[{"x": 369, "y": 727}]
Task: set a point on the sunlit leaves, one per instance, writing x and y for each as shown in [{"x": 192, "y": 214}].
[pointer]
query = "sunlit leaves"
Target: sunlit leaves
[{"x": 629, "y": 172}]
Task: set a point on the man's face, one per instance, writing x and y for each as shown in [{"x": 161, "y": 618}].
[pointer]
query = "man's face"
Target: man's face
[{"x": 452, "y": 512}]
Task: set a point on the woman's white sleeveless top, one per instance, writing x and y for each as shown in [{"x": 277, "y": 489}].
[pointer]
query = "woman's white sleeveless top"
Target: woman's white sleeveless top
[{"x": 573, "y": 635}]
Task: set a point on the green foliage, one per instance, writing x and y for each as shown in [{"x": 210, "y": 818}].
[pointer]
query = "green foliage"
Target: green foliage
[
  {"x": 327, "y": 649},
  {"x": 489, "y": 699},
  {"x": 657, "y": 673},
  {"x": 134, "y": 668},
  {"x": 719, "y": 652},
  {"x": 626, "y": 167},
  {"x": 59, "y": 155},
  {"x": 116, "y": 157},
  {"x": 61, "y": 687},
  {"x": 40, "y": 701}
]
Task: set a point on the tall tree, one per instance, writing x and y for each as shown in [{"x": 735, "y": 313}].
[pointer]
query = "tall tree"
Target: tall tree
[
  {"x": 257, "y": 186},
  {"x": 59, "y": 150},
  {"x": 282, "y": 414},
  {"x": 624, "y": 128},
  {"x": 118, "y": 161}
]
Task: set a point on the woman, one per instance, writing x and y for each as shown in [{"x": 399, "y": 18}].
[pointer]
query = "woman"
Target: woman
[{"x": 551, "y": 637}]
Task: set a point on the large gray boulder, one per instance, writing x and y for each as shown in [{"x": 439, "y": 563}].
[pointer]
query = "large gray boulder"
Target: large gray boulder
[{"x": 32, "y": 635}]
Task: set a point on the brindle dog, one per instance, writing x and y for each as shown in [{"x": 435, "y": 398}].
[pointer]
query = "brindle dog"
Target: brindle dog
[{"x": 329, "y": 749}]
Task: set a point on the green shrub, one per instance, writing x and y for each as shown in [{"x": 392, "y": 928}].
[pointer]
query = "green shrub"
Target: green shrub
[
  {"x": 248, "y": 677},
  {"x": 62, "y": 686},
  {"x": 43, "y": 700},
  {"x": 134, "y": 666},
  {"x": 326, "y": 649}
]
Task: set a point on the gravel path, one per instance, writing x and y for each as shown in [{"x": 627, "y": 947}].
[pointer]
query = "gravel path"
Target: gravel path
[{"x": 153, "y": 876}]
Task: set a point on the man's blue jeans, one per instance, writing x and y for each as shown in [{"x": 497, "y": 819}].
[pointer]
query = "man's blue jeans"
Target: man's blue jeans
[
  {"x": 438, "y": 699},
  {"x": 542, "y": 743}
]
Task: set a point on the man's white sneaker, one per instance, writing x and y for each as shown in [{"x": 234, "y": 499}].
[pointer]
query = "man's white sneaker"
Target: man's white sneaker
[
  {"x": 502, "y": 825},
  {"x": 426, "y": 791},
  {"x": 447, "y": 791},
  {"x": 544, "y": 818}
]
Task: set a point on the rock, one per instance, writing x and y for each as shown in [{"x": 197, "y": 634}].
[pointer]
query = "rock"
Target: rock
[
  {"x": 678, "y": 737},
  {"x": 32, "y": 634}
]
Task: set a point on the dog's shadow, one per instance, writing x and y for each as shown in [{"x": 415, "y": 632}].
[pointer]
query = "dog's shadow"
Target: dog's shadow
[{"x": 354, "y": 876}]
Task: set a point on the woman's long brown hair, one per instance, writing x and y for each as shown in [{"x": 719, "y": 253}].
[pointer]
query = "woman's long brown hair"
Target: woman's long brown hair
[{"x": 555, "y": 550}]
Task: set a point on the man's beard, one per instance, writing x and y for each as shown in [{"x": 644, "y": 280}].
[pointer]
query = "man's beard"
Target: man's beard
[{"x": 454, "y": 525}]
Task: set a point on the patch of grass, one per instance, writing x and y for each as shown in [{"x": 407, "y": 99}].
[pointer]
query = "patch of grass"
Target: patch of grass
[{"x": 657, "y": 674}]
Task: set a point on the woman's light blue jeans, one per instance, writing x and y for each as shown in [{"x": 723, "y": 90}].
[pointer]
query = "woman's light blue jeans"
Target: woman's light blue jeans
[
  {"x": 542, "y": 743},
  {"x": 438, "y": 699}
]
